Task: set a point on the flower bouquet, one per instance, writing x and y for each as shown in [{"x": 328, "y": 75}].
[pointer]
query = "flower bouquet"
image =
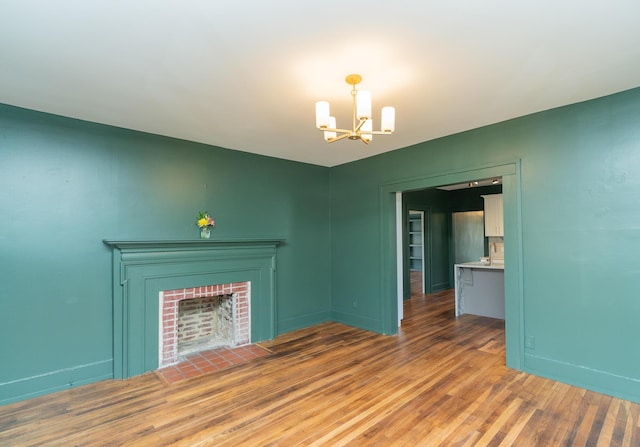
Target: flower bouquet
[{"x": 205, "y": 222}]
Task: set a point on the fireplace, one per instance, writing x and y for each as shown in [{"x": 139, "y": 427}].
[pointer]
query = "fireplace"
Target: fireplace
[
  {"x": 198, "y": 318},
  {"x": 143, "y": 270}
]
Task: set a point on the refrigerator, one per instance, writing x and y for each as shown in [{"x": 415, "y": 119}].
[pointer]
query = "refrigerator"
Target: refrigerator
[{"x": 468, "y": 236}]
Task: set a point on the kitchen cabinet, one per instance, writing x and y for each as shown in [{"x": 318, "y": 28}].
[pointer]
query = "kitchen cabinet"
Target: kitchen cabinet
[{"x": 493, "y": 215}]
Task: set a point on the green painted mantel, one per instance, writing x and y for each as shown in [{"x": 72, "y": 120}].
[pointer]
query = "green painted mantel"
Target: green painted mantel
[{"x": 144, "y": 268}]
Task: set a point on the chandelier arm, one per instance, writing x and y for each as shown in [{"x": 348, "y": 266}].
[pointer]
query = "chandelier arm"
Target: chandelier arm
[
  {"x": 378, "y": 132},
  {"x": 357, "y": 129},
  {"x": 363, "y": 140},
  {"x": 338, "y": 138}
]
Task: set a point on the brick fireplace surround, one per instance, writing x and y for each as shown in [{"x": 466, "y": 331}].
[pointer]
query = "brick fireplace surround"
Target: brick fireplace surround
[{"x": 169, "y": 302}]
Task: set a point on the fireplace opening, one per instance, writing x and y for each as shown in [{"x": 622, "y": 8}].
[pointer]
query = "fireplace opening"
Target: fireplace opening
[
  {"x": 205, "y": 323},
  {"x": 200, "y": 318}
]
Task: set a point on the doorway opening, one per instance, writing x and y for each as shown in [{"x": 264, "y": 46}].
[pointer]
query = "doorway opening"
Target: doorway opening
[
  {"x": 398, "y": 285},
  {"x": 443, "y": 226}
]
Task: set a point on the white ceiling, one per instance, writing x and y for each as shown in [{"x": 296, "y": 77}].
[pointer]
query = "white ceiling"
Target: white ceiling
[{"x": 246, "y": 74}]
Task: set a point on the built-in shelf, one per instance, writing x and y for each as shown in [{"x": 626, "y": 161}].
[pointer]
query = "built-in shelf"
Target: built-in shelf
[{"x": 415, "y": 241}]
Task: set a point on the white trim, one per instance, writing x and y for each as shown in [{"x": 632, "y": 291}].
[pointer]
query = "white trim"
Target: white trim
[
  {"x": 160, "y": 327},
  {"x": 399, "y": 263}
]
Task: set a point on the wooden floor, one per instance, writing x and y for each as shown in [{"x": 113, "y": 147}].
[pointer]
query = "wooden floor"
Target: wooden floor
[{"x": 440, "y": 382}]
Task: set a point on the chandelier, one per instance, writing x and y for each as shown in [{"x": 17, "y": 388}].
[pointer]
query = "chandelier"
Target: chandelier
[{"x": 362, "y": 125}]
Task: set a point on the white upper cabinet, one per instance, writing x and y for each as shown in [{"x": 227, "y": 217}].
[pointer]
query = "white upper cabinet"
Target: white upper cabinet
[{"x": 493, "y": 215}]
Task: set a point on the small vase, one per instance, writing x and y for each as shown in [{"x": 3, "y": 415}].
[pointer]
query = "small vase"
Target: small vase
[{"x": 205, "y": 233}]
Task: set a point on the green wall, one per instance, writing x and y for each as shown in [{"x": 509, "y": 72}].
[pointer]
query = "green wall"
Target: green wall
[
  {"x": 470, "y": 199},
  {"x": 65, "y": 185},
  {"x": 573, "y": 214}
]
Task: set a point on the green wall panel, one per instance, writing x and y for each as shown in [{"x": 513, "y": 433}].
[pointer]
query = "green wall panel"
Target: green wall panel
[
  {"x": 65, "y": 185},
  {"x": 573, "y": 209}
]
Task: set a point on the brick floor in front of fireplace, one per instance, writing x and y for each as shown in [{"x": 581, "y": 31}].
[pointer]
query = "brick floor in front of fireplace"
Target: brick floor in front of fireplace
[{"x": 209, "y": 361}]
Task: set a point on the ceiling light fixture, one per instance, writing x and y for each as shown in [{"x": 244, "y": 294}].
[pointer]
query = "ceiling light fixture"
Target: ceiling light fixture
[{"x": 362, "y": 128}]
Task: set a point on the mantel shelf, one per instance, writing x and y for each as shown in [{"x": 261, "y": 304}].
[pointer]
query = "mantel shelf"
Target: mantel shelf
[{"x": 184, "y": 243}]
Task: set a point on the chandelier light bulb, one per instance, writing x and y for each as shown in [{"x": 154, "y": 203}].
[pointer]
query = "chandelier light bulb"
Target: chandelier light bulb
[
  {"x": 322, "y": 114},
  {"x": 363, "y": 105},
  {"x": 388, "y": 122},
  {"x": 328, "y": 136}
]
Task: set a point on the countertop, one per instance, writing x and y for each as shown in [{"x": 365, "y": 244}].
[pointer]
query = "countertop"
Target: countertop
[{"x": 480, "y": 265}]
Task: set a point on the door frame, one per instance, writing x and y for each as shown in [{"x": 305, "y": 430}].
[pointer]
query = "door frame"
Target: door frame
[{"x": 514, "y": 290}]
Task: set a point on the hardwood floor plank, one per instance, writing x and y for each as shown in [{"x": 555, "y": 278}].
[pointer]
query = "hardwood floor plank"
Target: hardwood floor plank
[
  {"x": 440, "y": 382},
  {"x": 523, "y": 419},
  {"x": 606, "y": 433}
]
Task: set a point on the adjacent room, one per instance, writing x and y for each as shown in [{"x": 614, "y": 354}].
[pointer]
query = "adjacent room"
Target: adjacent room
[{"x": 247, "y": 223}]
